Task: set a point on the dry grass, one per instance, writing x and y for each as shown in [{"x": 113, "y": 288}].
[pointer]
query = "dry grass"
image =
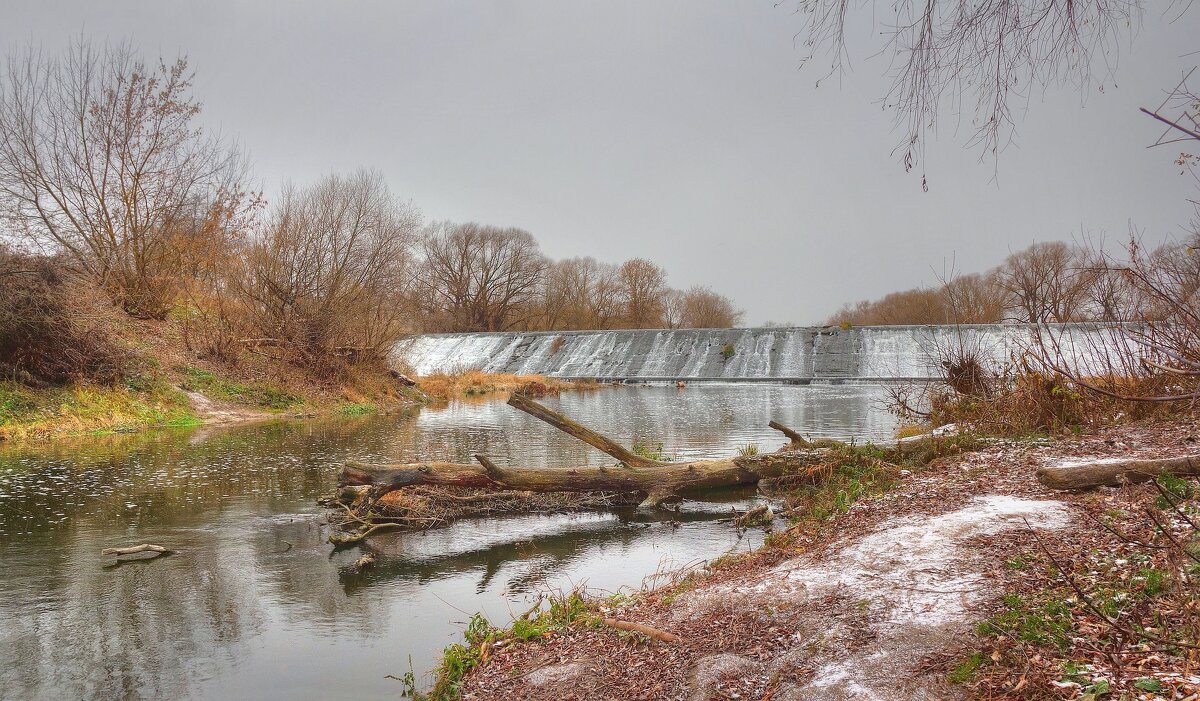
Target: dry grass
[
  {"x": 27, "y": 413},
  {"x": 1031, "y": 402},
  {"x": 151, "y": 391},
  {"x": 474, "y": 383}
]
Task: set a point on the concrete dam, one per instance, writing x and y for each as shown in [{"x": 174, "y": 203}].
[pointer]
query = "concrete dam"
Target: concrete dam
[{"x": 790, "y": 355}]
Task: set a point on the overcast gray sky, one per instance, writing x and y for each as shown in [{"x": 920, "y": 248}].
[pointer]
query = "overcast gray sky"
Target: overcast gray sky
[{"x": 679, "y": 131}]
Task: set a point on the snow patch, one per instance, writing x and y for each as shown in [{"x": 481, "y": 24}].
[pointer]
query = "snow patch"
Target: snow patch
[
  {"x": 555, "y": 673},
  {"x": 1080, "y": 462},
  {"x": 915, "y": 581},
  {"x": 908, "y": 567}
]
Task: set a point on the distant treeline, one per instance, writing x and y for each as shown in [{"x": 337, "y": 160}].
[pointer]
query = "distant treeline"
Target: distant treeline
[
  {"x": 1047, "y": 282},
  {"x": 110, "y": 190}
]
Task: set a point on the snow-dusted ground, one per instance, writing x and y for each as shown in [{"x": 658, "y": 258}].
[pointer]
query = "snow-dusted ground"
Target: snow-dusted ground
[{"x": 912, "y": 579}]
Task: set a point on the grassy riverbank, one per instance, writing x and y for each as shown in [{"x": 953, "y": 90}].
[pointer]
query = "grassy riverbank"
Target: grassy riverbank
[{"x": 168, "y": 385}]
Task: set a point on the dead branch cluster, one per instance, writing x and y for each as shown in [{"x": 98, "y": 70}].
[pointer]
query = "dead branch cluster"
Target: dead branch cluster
[
  {"x": 364, "y": 511},
  {"x": 978, "y": 60},
  {"x": 427, "y": 495}
]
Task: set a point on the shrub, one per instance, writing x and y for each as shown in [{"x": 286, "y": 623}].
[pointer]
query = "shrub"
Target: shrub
[{"x": 54, "y": 325}]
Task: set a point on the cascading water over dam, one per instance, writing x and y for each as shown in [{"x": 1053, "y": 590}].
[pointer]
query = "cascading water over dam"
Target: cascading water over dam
[{"x": 801, "y": 354}]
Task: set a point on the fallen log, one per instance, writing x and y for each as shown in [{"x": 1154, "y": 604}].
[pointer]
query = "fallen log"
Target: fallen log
[
  {"x": 1115, "y": 472},
  {"x": 648, "y": 631},
  {"x": 659, "y": 482},
  {"x": 581, "y": 432}
]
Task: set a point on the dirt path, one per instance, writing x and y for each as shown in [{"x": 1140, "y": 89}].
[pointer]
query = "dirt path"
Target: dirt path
[
  {"x": 865, "y": 608},
  {"x": 210, "y": 411}
]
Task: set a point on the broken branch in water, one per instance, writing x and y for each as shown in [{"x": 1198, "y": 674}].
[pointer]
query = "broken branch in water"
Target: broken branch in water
[
  {"x": 342, "y": 540},
  {"x": 135, "y": 553},
  {"x": 761, "y": 514},
  {"x": 134, "y": 549},
  {"x": 791, "y": 435},
  {"x": 583, "y": 433}
]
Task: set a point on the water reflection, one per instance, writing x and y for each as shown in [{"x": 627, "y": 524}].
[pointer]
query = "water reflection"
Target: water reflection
[{"x": 254, "y": 606}]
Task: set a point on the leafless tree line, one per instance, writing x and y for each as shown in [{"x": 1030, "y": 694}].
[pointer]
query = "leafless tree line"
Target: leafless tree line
[
  {"x": 1046, "y": 283},
  {"x": 474, "y": 277},
  {"x": 107, "y": 177}
]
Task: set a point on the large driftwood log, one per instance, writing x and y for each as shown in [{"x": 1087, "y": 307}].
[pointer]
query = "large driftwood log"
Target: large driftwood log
[
  {"x": 581, "y": 432},
  {"x": 659, "y": 482},
  {"x": 1114, "y": 472}
]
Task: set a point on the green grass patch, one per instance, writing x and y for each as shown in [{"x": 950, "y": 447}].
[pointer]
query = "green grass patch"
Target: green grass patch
[
  {"x": 964, "y": 672},
  {"x": 358, "y": 409},
  {"x": 650, "y": 452},
  {"x": 1047, "y": 622},
  {"x": 851, "y": 473},
  {"x": 143, "y": 401},
  {"x": 459, "y": 659},
  {"x": 258, "y": 394}
]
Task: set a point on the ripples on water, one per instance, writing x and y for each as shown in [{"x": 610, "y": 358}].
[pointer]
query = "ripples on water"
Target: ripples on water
[{"x": 254, "y": 606}]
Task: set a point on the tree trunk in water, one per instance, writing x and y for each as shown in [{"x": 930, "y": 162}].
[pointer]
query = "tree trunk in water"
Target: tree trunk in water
[
  {"x": 659, "y": 484},
  {"x": 658, "y": 481},
  {"x": 581, "y": 432},
  {"x": 1114, "y": 473}
]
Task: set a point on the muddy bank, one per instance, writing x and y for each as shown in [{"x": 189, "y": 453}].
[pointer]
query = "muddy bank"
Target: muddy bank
[{"x": 886, "y": 600}]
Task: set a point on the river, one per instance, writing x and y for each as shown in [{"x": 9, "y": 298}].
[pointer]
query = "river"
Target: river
[{"x": 255, "y": 604}]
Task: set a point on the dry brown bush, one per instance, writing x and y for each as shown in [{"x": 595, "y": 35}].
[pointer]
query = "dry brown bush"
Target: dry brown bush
[
  {"x": 55, "y": 327},
  {"x": 328, "y": 279},
  {"x": 916, "y": 306},
  {"x": 701, "y": 308}
]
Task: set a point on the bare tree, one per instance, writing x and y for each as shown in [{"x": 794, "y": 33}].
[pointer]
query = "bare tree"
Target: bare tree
[
  {"x": 481, "y": 278},
  {"x": 581, "y": 293},
  {"x": 704, "y": 309},
  {"x": 644, "y": 288},
  {"x": 673, "y": 309},
  {"x": 974, "y": 58},
  {"x": 101, "y": 161},
  {"x": 1046, "y": 283},
  {"x": 330, "y": 273},
  {"x": 974, "y": 299}
]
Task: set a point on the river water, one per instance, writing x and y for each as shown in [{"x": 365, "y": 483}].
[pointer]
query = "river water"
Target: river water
[{"x": 256, "y": 606}]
